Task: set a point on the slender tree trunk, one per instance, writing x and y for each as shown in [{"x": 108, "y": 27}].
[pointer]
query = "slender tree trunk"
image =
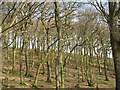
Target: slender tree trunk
[
  {"x": 33, "y": 53},
  {"x": 42, "y": 55},
  {"x": 48, "y": 62},
  {"x": 36, "y": 75},
  {"x": 7, "y": 47},
  {"x": 105, "y": 66},
  {"x": 20, "y": 54},
  {"x": 13, "y": 48},
  {"x": 26, "y": 55},
  {"x": 38, "y": 68},
  {"x": 90, "y": 77},
  {"x": 98, "y": 62},
  {"x": 59, "y": 63}
]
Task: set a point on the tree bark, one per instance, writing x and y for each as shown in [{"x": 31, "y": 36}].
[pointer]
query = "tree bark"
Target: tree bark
[
  {"x": 115, "y": 42},
  {"x": 59, "y": 62}
]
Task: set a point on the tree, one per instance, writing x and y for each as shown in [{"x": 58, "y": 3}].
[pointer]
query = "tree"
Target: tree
[
  {"x": 112, "y": 18},
  {"x": 59, "y": 62}
]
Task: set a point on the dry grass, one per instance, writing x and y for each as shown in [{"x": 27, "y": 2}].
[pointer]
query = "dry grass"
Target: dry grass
[{"x": 70, "y": 76}]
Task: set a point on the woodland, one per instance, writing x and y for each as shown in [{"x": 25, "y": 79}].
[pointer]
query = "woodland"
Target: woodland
[{"x": 60, "y": 44}]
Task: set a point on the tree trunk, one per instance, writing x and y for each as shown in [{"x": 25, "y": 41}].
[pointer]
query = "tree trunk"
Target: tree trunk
[
  {"x": 105, "y": 66},
  {"x": 48, "y": 61},
  {"x": 43, "y": 54},
  {"x": 26, "y": 56},
  {"x": 20, "y": 54},
  {"x": 115, "y": 42},
  {"x": 59, "y": 62},
  {"x": 98, "y": 62},
  {"x": 13, "y": 48}
]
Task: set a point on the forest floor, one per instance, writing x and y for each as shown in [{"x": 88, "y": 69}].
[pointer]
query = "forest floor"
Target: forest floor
[{"x": 11, "y": 78}]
